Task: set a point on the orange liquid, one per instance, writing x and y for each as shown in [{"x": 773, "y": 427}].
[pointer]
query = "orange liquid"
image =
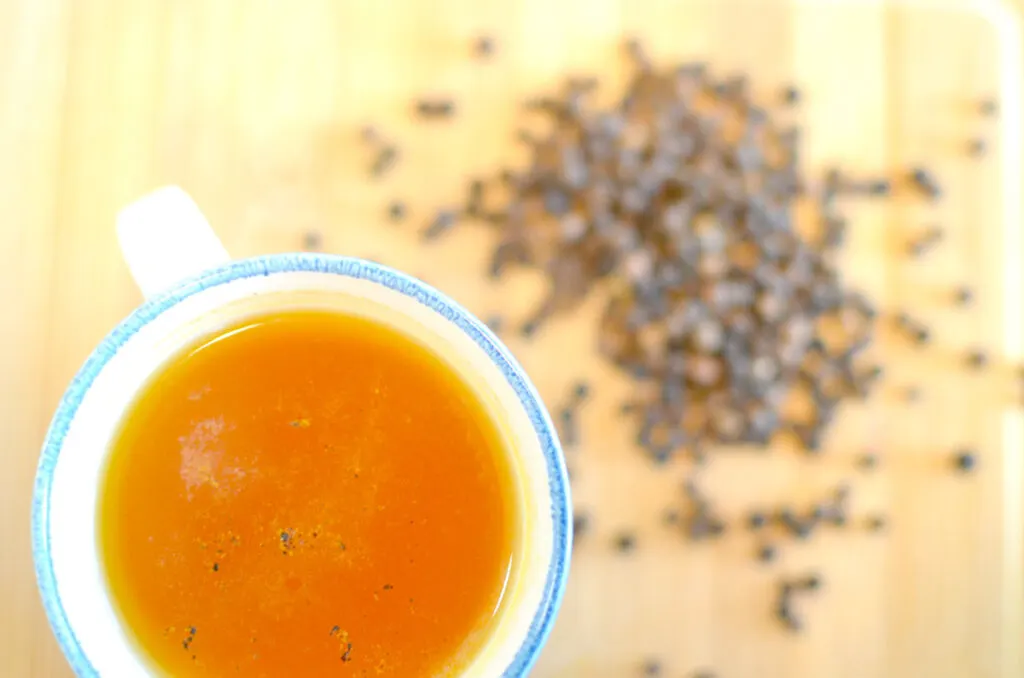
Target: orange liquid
[{"x": 309, "y": 494}]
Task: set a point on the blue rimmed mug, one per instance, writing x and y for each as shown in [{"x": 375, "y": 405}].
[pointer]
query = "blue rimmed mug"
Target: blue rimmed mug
[{"x": 193, "y": 289}]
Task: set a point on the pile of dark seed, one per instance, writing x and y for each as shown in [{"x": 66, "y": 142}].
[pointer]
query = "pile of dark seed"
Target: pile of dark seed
[
  {"x": 682, "y": 201},
  {"x": 686, "y": 203}
]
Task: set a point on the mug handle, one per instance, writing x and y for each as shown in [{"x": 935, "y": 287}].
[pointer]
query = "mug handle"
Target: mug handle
[{"x": 164, "y": 239}]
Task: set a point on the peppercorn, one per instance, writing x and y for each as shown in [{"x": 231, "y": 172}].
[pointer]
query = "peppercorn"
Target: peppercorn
[
  {"x": 625, "y": 542},
  {"x": 977, "y": 359},
  {"x": 876, "y": 523},
  {"x": 652, "y": 667},
  {"x": 964, "y": 296},
  {"x": 485, "y": 46},
  {"x": 868, "y": 461},
  {"x": 396, "y": 210},
  {"x": 966, "y": 461}
]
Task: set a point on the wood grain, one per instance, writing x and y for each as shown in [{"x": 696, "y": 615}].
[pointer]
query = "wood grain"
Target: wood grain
[{"x": 255, "y": 108}]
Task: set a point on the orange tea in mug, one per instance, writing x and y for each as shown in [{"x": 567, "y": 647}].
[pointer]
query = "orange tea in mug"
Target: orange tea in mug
[
  {"x": 307, "y": 493},
  {"x": 296, "y": 465}
]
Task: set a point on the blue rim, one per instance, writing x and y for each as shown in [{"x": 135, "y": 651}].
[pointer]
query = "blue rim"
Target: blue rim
[{"x": 558, "y": 569}]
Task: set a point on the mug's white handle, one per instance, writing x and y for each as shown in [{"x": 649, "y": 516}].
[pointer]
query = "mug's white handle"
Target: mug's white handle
[{"x": 165, "y": 238}]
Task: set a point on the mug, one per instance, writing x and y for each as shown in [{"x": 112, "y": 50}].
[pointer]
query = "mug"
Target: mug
[{"x": 192, "y": 289}]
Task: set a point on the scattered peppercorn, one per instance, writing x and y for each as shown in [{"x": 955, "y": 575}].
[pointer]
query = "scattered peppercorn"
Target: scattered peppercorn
[
  {"x": 811, "y": 582},
  {"x": 964, "y": 296},
  {"x": 369, "y": 134},
  {"x": 387, "y": 157},
  {"x": 926, "y": 241},
  {"x": 443, "y": 221},
  {"x": 580, "y": 524},
  {"x": 652, "y": 667},
  {"x": 977, "y": 359},
  {"x": 636, "y": 51},
  {"x": 868, "y": 461},
  {"x": 529, "y": 328},
  {"x": 879, "y": 187},
  {"x": 396, "y": 210},
  {"x": 495, "y": 323},
  {"x": 312, "y": 241},
  {"x": 784, "y": 608},
  {"x": 876, "y": 523},
  {"x": 926, "y": 183},
  {"x": 756, "y": 520},
  {"x": 976, "y": 148},
  {"x": 625, "y": 542},
  {"x": 485, "y": 46},
  {"x": 475, "y": 200},
  {"x": 801, "y": 529},
  {"x": 966, "y": 461},
  {"x": 766, "y": 553},
  {"x": 917, "y": 331},
  {"x": 435, "y": 108}
]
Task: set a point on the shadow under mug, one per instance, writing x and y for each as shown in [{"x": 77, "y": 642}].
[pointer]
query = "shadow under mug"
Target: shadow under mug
[{"x": 192, "y": 289}]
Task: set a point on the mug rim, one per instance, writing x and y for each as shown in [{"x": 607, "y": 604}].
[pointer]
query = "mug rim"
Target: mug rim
[{"x": 558, "y": 483}]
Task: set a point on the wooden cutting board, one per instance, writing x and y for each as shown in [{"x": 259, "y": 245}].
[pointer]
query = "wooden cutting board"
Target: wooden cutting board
[{"x": 255, "y": 109}]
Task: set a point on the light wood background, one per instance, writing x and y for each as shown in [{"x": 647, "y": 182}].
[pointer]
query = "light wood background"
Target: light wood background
[{"x": 254, "y": 108}]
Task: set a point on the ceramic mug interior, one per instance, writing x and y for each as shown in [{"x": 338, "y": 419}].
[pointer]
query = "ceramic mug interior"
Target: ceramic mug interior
[{"x": 64, "y": 530}]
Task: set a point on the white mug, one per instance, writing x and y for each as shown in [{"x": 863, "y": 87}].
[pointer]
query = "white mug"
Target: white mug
[{"x": 192, "y": 289}]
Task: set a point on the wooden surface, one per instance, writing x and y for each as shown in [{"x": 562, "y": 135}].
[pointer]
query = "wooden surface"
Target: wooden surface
[{"x": 254, "y": 108}]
